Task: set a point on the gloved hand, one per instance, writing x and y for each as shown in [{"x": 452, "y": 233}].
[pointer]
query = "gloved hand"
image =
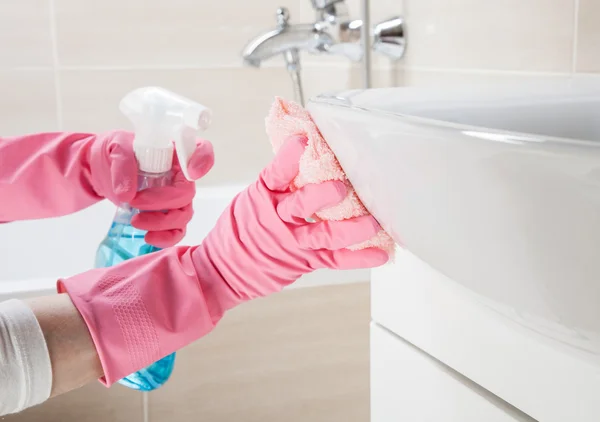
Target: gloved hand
[
  {"x": 54, "y": 174},
  {"x": 266, "y": 231},
  {"x": 168, "y": 210},
  {"x": 148, "y": 307}
]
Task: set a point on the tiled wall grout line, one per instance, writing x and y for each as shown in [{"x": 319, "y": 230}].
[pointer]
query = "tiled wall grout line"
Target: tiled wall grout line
[
  {"x": 145, "y": 407},
  {"x": 490, "y": 71},
  {"x": 56, "y": 65},
  {"x": 575, "y": 35},
  {"x": 268, "y": 65},
  {"x": 28, "y": 69},
  {"x": 308, "y": 65}
]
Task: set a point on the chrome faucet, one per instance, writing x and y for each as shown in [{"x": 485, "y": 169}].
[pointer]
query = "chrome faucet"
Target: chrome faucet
[
  {"x": 333, "y": 32},
  {"x": 285, "y": 37}
]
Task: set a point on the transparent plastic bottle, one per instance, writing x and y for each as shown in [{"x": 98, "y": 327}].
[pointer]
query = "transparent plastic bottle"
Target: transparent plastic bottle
[
  {"x": 164, "y": 123},
  {"x": 124, "y": 242}
]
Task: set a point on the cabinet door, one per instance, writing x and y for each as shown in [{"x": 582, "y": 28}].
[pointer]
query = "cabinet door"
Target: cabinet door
[{"x": 408, "y": 385}]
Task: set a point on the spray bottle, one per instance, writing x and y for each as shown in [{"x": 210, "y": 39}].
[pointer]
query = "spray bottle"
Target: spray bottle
[{"x": 160, "y": 118}]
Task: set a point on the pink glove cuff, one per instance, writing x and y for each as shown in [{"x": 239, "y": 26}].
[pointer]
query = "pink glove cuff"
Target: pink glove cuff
[{"x": 136, "y": 314}]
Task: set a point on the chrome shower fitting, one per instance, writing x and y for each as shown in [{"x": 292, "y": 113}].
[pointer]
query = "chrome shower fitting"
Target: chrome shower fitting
[
  {"x": 333, "y": 32},
  {"x": 284, "y": 37},
  {"x": 332, "y": 16}
]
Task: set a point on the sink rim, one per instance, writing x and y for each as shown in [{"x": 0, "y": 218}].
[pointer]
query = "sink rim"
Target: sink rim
[{"x": 509, "y": 137}]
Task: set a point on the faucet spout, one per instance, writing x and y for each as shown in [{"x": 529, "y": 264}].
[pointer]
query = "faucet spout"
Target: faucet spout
[{"x": 285, "y": 37}]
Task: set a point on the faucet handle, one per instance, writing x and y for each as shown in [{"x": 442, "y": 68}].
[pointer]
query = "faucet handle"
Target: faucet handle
[
  {"x": 283, "y": 17},
  {"x": 389, "y": 38}
]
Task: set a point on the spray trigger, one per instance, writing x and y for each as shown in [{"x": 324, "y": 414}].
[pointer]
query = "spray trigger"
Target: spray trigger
[
  {"x": 185, "y": 145},
  {"x": 159, "y": 117}
]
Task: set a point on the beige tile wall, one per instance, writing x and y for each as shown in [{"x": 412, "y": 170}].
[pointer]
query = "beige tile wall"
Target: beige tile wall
[
  {"x": 494, "y": 42},
  {"x": 587, "y": 36},
  {"x": 511, "y": 35}
]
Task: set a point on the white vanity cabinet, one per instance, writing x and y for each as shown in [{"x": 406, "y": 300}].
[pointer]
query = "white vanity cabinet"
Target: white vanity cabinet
[
  {"x": 440, "y": 353},
  {"x": 409, "y": 385}
]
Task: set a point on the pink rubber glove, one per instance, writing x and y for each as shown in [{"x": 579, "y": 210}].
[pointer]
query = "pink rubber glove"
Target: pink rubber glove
[
  {"x": 265, "y": 233},
  {"x": 148, "y": 307},
  {"x": 168, "y": 209},
  {"x": 54, "y": 174}
]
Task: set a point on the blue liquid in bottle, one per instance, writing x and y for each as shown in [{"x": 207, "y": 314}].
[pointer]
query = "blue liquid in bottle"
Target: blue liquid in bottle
[{"x": 124, "y": 242}]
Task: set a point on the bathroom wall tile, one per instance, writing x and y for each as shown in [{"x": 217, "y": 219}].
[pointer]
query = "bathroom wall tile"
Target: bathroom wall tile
[
  {"x": 385, "y": 9},
  {"x": 388, "y": 75},
  {"x": 323, "y": 79},
  {"x": 399, "y": 76},
  {"x": 306, "y": 13},
  {"x": 25, "y": 34},
  {"x": 160, "y": 33},
  {"x": 301, "y": 355},
  {"x": 239, "y": 97},
  {"x": 536, "y": 35},
  {"x": 588, "y": 36},
  {"x": 92, "y": 403},
  {"x": 27, "y": 102}
]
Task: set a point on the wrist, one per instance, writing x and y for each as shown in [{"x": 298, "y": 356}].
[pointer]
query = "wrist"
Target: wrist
[
  {"x": 72, "y": 352},
  {"x": 229, "y": 276},
  {"x": 218, "y": 295}
]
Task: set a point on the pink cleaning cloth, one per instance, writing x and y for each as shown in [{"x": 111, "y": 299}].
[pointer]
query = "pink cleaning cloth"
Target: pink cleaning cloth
[{"x": 319, "y": 164}]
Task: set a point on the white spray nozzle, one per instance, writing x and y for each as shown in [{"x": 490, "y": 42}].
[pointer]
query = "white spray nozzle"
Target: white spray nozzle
[{"x": 161, "y": 117}]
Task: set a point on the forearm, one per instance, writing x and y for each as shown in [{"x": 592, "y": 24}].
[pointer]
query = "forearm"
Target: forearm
[
  {"x": 45, "y": 175},
  {"x": 45, "y": 350},
  {"x": 72, "y": 353}
]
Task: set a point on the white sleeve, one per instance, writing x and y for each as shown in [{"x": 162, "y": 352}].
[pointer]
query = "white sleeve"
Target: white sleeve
[{"x": 25, "y": 369}]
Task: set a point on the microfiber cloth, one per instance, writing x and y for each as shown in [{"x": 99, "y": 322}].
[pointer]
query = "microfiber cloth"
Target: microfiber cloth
[{"x": 319, "y": 164}]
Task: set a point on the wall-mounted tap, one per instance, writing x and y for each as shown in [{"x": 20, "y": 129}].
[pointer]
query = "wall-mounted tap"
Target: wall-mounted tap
[
  {"x": 285, "y": 37},
  {"x": 333, "y": 32}
]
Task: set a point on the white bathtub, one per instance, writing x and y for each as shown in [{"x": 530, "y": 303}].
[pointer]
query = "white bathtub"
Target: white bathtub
[{"x": 33, "y": 254}]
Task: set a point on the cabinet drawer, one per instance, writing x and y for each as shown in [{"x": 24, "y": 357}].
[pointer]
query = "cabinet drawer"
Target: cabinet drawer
[{"x": 408, "y": 385}]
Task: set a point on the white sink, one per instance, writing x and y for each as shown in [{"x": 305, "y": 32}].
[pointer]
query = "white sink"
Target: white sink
[{"x": 498, "y": 189}]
